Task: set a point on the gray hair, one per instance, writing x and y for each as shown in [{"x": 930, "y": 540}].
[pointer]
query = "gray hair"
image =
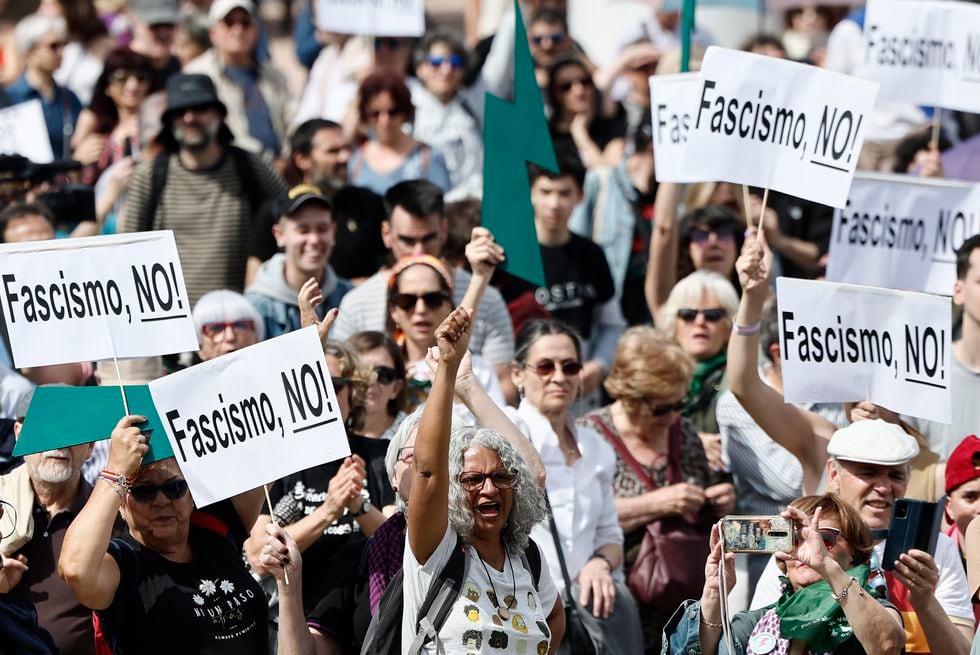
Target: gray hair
[
  {"x": 226, "y": 305},
  {"x": 529, "y": 506},
  {"x": 405, "y": 429},
  {"x": 688, "y": 292},
  {"x": 31, "y": 29}
]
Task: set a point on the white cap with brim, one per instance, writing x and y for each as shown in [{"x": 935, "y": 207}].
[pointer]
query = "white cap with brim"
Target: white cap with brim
[
  {"x": 873, "y": 442},
  {"x": 221, "y": 8}
]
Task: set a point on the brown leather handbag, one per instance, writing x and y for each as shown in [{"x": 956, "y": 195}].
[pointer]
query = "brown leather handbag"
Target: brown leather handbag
[{"x": 670, "y": 566}]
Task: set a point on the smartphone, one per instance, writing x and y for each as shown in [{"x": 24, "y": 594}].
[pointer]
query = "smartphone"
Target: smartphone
[
  {"x": 762, "y": 535},
  {"x": 915, "y": 524}
]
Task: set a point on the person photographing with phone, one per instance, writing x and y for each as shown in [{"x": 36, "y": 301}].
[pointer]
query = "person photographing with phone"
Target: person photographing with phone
[{"x": 824, "y": 606}]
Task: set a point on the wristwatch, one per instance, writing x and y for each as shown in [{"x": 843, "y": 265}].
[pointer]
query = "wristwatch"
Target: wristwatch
[
  {"x": 600, "y": 555},
  {"x": 364, "y": 509}
]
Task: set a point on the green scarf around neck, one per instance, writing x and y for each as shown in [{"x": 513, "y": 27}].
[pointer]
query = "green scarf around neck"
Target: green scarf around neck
[
  {"x": 701, "y": 372},
  {"x": 813, "y": 616}
]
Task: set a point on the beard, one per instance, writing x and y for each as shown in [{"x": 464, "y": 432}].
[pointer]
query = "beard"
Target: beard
[
  {"x": 197, "y": 141},
  {"x": 54, "y": 471}
]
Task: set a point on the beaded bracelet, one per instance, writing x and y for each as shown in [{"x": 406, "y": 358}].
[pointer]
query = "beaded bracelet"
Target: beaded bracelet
[
  {"x": 115, "y": 486},
  {"x": 747, "y": 330},
  {"x": 843, "y": 592},
  {"x": 116, "y": 478}
]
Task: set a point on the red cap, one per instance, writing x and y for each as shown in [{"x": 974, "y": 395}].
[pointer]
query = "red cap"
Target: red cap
[{"x": 963, "y": 464}]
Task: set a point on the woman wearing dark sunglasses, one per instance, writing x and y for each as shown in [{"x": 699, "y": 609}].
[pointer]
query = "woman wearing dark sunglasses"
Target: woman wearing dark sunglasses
[
  {"x": 826, "y": 605},
  {"x": 158, "y": 588},
  {"x": 580, "y": 467},
  {"x": 385, "y": 398},
  {"x": 648, "y": 382}
]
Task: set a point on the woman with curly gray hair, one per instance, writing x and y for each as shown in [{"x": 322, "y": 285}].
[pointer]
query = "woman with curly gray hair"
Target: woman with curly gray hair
[{"x": 473, "y": 491}]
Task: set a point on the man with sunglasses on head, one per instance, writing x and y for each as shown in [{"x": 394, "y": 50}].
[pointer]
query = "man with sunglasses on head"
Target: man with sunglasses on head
[
  {"x": 305, "y": 231},
  {"x": 45, "y": 494}
]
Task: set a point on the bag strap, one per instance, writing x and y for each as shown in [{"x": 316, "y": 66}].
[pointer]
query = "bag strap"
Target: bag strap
[
  {"x": 561, "y": 554},
  {"x": 440, "y": 598},
  {"x": 620, "y": 447},
  {"x": 531, "y": 559},
  {"x": 158, "y": 181},
  {"x": 674, "y": 454}
]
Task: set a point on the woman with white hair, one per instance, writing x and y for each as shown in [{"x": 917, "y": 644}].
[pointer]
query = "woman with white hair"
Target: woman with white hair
[
  {"x": 41, "y": 42},
  {"x": 226, "y": 322},
  {"x": 698, "y": 315}
]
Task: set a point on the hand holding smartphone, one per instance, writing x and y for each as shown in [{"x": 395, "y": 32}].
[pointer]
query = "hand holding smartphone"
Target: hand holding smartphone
[{"x": 758, "y": 535}]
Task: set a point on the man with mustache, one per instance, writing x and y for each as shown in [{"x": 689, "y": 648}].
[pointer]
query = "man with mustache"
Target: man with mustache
[{"x": 45, "y": 495}]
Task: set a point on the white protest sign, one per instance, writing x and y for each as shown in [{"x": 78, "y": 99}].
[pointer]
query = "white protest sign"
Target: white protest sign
[
  {"x": 926, "y": 53},
  {"x": 842, "y": 342},
  {"x": 241, "y": 420},
  {"x": 673, "y": 100},
  {"x": 24, "y": 132},
  {"x": 371, "y": 17},
  {"x": 902, "y": 232},
  {"x": 85, "y": 299},
  {"x": 777, "y": 124}
]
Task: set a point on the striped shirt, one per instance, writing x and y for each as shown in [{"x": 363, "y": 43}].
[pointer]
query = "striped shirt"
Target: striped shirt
[{"x": 209, "y": 213}]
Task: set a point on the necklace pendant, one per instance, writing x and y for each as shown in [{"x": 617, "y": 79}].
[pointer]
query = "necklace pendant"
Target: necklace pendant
[{"x": 503, "y": 613}]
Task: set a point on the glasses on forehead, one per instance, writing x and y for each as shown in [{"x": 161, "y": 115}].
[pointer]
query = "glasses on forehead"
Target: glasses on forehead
[
  {"x": 473, "y": 481},
  {"x": 547, "y": 367},
  {"x": 145, "y": 493}
]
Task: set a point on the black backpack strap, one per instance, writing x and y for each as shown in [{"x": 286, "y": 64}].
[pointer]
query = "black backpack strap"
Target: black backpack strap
[
  {"x": 440, "y": 598},
  {"x": 531, "y": 558},
  {"x": 246, "y": 173},
  {"x": 158, "y": 181},
  {"x": 385, "y": 625}
]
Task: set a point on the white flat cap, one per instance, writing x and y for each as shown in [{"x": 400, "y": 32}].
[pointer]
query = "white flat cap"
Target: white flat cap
[{"x": 873, "y": 442}]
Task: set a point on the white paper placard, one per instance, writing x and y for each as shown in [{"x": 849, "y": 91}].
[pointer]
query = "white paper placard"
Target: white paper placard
[
  {"x": 902, "y": 232},
  {"x": 372, "y": 17},
  {"x": 843, "y": 342},
  {"x": 92, "y": 298},
  {"x": 673, "y": 100},
  {"x": 24, "y": 132},
  {"x": 776, "y": 124},
  {"x": 253, "y": 416},
  {"x": 927, "y": 53}
]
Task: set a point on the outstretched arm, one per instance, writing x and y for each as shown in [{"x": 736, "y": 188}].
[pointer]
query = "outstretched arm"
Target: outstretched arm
[{"x": 662, "y": 266}]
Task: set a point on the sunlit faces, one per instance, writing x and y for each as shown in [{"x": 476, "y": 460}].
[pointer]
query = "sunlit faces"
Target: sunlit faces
[
  {"x": 702, "y": 338},
  {"x": 490, "y": 504},
  {"x": 801, "y": 575},
  {"x": 307, "y": 237},
  {"x": 163, "y": 522},
  {"x": 547, "y": 40},
  {"x": 128, "y": 88},
  {"x": 963, "y": 504},
  {"x": 420, "y": 321},
  {"x": 379, "y": 394},
  {"x": 441, "y": 71},
  {"x": 327, "y": 161},
  {"x": 575, "y": 90},
  {"x": 663, "y": 412},
  {"x": 551, "y": 394},
  {"x": 869, "y": 488},
  {"x": 405, "y": 234},
  {"x": 46, "y": 55},
  {"x": 553, "y": 200},
  {"x": 234, "y": 36}
]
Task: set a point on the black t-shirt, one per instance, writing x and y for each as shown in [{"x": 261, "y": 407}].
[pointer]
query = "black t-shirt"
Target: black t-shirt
[
  {"x": 805, "y": 220},
  {"x": 578, "y": 280},
  {"x": 298, "y": 495},
  {"x": 345, "y": 611},
  {"x": 358, "y": 249},
  {"x": 210, "y": 606}
]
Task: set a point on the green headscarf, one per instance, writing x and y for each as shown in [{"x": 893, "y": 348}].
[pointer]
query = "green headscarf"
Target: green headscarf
[
  {"x": 701, "y": 372},
  {"x": 812, "y": 615}
]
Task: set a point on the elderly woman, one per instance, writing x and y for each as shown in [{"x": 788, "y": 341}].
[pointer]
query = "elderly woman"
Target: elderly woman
[
  {"x": 698, "y": 315},
  {"x": 225, "y": 322},
  {"x": 580, "y": 467},
  {"x": 648, "y": 381},
  {"x": 176, "y": 566},
  {"x": 826, "y": 606},
  {"x": 391, "y": 155},
  {"x": 385, "y": 398},
  {"x": 472, "y": 490}
]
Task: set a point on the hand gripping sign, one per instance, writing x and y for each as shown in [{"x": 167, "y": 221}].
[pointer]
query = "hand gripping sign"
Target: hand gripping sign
[
  {"x": 776, "y": 124},
  {"x": 74, "y": 300},
  {"x": 258, "y": 414},
  {"x": 841, "y": 342}
]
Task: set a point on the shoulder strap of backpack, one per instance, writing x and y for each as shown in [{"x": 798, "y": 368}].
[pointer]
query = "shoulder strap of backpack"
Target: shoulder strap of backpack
[
  {"x": 246, "y": 173},
  {"x": 158, "y": 181},
  {"x": 531, "y": 559},
  {"x": 382, "y": 635},
  {"x": 440, "y": 598}
]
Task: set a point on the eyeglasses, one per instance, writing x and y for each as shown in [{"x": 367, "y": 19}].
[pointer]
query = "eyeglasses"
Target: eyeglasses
[
  {"x": 387, "y": 42},
  {"x": 665, "y": 408},
  {"x": 390, "y": 113},
  {"x": 711, "y": 315},
  {"x": 145, "y": 493},
  {"x": 122, "y": 76},
  {"x": 385, "y": 375},
  {"x": 406, "y": 454},
  {"x": 217, "y": 329},
  {"x": 472, "y": 481},
  {"x": 437, "y": 61},
  {"x": 585, "y": 82},
  {"x": 700, "y": 235},
  {"x": 547, "y": 367},
  {"x": 339, "y": 383},
  {"x": 408, "y": 301},
  {"x": 555, "y": 38},
  {"x": 244, "y": 22}
]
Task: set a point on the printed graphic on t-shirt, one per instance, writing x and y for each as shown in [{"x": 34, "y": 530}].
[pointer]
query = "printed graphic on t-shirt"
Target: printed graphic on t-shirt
[
  {"x": 220, "y": 603},
  {"x": 304, "y": 500}
]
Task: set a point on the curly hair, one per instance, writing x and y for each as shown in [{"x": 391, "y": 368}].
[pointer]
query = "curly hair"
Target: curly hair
[
  {"x": 648, "y": 364},
  {"x": 358, "y": 379},
  {"x": 529, "y": 506}
]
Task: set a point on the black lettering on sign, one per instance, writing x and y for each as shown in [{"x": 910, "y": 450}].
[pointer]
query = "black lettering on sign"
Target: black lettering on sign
[
  {"x": 306, "y": 396},
  {"x": 925, "y": 352},
  {"x": 157, "y": 287}
]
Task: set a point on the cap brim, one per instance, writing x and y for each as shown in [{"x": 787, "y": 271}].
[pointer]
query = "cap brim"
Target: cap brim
[{"x": 871, "y": 460}]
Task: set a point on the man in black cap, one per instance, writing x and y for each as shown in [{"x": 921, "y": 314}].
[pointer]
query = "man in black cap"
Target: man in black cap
[{"x": 203, "y": 188}]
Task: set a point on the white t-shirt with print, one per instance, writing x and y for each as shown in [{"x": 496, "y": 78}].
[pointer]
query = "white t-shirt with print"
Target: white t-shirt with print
[{"x": 473, "y": 627}]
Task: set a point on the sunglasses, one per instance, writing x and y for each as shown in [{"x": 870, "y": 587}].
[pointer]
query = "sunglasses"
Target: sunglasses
[
  {"x": 385, "y": 375},
  {"x": 711, "y": 315},
  {"x": 437, "y": 61},
  {"x": 554, "y": 38},
  {"x": 408, "y": 301},
  {"x": 829, "y": 536},
  {"x": 387, "y": 42},
  {"x": 145, "y": 493},
  {"x": 501, "y": 479},
  {"x": 339, "y": 384},
  {"x": 665, "y": 408},
  {"x": 231, "y": 21},
  {"x": 406, "y": 454},
  {"x": 547, "y": 367},
  {"x": 647, "y": 69},
  {"x": 700, "y": 235},
  {"x": 389, "y": 113},
  {"x": 122, "y": 76},
  {"x": 216, "y": 329},
  {"x": 584, "y": 82}
]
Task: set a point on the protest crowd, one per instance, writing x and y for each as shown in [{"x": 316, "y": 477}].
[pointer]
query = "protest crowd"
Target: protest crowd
[{"x": 196, "y": 193}]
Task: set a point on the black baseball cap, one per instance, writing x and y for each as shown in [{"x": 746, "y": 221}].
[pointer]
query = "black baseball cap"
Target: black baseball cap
[{"x": 290, "y": 202}]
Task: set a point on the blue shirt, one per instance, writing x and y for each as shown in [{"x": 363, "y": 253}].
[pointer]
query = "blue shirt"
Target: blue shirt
[
  {"x": 63, "y": 105},
  {"x": 256, "y": 111}
]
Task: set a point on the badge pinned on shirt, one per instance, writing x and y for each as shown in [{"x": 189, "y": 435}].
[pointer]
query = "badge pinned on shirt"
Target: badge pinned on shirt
[{"x": 762, "y": 643}]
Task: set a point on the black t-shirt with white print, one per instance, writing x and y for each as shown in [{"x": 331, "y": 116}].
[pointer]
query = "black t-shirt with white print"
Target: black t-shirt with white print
[
  {"x": 578, "y": 280},
  {"x": 210, "y": 606}
]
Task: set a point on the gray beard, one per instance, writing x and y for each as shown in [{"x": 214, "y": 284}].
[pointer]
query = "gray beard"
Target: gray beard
[{"x": 210, "y": 133}]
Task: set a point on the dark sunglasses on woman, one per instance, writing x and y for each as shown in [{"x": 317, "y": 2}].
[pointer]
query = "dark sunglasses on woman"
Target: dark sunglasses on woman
[
  {"x": 385, "y": 375},
  {"x": 145, "y": 493},
  {"x": 665, "y": 408},
  {"x": 711, "y": 315},
  {"x": 547, "y": 367},
  {"x": 407, "y": 301},
  {"x": 700, "y": 235},
  {"x": 339, "y": 383}
]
